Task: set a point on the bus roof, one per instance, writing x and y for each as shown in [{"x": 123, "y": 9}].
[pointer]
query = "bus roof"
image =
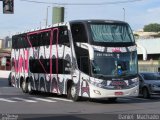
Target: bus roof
[
  {"x": 73, "y": 21},
  {"x": 97, "y": 21}
]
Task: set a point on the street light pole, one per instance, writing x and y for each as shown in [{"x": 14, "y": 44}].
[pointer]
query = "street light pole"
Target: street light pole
[
  {"x": 124, "y": 12},
  {"x": 40, "y": 24},
  {"x": 47, "y": 16}
]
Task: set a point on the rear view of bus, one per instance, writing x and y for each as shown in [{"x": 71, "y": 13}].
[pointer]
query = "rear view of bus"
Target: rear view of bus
[{"x": 106, "y": 56}]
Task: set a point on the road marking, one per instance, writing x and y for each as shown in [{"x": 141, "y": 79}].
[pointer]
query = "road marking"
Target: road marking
[
  {"x": 6, "y": 100},
  {"x": 42, "y": 99},
  {"x": 26, "y": 100},
  {"x": 60, "y": 99}
]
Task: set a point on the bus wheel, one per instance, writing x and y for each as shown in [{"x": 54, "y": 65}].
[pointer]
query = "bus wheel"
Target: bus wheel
[
  {"x": 72, "y": 93},
  {"x": 24, "y": 86},
  {"x": 145, "y": 93},
  {"x": 29, "y": 87}
]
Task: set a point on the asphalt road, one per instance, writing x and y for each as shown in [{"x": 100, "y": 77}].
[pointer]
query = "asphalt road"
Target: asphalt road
[{"x": 13, "y": 102}]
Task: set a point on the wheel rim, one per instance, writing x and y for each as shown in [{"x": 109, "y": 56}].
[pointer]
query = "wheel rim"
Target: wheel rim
[
  {"x": 23, "y": 85},
  {"x": 29, "y": 87},
  {"x": 73, "y": 91}
]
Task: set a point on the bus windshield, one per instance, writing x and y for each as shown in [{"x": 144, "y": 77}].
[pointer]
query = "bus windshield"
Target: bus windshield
[
  {"x": 111, "y": 32},
  {"x": 114, "y": 64}
]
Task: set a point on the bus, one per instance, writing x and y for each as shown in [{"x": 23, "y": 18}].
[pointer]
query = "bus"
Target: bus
[{"x": 80, "y": 58}]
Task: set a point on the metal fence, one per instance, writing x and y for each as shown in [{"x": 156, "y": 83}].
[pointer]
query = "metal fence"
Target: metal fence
[{"x": 149, "y": 68}]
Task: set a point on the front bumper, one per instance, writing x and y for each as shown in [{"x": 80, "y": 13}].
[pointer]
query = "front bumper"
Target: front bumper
[
  {"x": 96, "y": 92},
  {"x": 155, "y": 90}
]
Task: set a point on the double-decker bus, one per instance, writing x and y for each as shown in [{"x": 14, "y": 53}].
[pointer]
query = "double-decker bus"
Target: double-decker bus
[{"x": 80, "y": 58}]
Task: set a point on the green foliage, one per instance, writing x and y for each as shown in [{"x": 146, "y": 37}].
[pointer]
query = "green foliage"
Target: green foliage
[
  {"x": 136, "y": 35},
  {"x": 157, "y": 36},
  {"x": 153, "y": 27}
]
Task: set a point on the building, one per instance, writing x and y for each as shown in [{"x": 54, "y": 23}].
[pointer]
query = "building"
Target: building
[
  {"x": 146, "y": 35},
  {"x": 152, "y": 47},
  {"x": 5, "y": 54}
]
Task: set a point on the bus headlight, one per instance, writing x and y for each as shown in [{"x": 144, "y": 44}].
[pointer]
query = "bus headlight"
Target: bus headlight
[
  {"x": 154, "y": 86},
  {"x": 135, "y": 81},
  {"x": 101, "y": 83},
  {"x": 96, "y": 82}
]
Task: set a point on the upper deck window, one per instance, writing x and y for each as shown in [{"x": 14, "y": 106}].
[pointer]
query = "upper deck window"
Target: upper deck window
[
  {"x": 111, "y": 32},
  {"x": 79, "y": 33}
]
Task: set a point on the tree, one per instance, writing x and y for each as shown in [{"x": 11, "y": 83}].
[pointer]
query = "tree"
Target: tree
[
  {"x": 136, "y": 36},
  {"x": 153, "y": 27}
]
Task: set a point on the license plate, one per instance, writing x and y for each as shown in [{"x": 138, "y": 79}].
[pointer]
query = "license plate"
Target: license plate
[{"x": 118, "y": 93}]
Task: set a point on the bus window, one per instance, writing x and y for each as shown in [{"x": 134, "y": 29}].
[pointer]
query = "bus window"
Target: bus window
[
  {"x": 25, "y": 41},
  {"x": 20, "y": 42},
  {"x": 63, "y": 36},
  {"x": 54, "y": 41},
  {"x": 14, "y": 42},
  {"x": 84, "y": 64},
  {"x": 40, "y": 35},
  {"x": 44, "y": 38},
  {"x": 63, "y": 66},
  {"x": 34, "y": 40},
  {"x": 79, "y": 33}
]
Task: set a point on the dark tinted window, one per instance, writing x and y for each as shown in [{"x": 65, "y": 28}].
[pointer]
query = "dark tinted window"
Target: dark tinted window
[
  {"x": 14, "y": 42},
  {"x": 41, "y": 38},
  {"x": 20, "y": 41},
  {"x": 79, "y": 33},
  {"x": 63, "y": 35},
  {"x": 46, "y": 37},
  {"x": 43, "y": 66},
  {"x": 151, "y": 76},
  {"x": 26, "y": 42},
  {"x": 34, "y": 40},
  {"x": 84, "y": 64}
]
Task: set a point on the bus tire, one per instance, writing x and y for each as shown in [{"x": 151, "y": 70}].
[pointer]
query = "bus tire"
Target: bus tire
[
  {"x": 145, "y": 93},
  {"x": 24, "y": 86},
  {"x": 72, "y": 93}
]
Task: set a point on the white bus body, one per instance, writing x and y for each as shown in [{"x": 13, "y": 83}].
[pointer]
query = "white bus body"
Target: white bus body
[{"x": 85, "y": 58}]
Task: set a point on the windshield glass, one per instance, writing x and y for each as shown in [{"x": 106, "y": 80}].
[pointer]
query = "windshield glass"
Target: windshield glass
[
  {"x": 151, "y": 76},
  {"x": 111, "y": 32},
  {"x": 114, "y": 64}
]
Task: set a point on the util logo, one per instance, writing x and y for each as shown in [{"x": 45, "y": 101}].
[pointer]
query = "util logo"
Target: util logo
[
  {"x": 116, "y": 50},
  {"x": 22, "y": 62}
]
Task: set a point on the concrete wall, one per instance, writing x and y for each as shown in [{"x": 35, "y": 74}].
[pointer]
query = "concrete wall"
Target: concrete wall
[
  {"x": 0, "y": 44},
  {"x": 151, "y": 45},
  {"x": 4, "y": 74}
]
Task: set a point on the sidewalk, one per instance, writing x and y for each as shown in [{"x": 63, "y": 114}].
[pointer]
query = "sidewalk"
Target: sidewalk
[{"x": 4, "y": 74}]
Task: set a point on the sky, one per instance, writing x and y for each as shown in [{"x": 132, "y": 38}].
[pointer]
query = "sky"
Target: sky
[{"x": 29, "y": 15}]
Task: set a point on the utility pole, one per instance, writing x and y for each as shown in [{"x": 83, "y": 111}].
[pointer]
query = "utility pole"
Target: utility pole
[
  {"x": 124, "y": 14},
  {"x": 47, "y": 16}
]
